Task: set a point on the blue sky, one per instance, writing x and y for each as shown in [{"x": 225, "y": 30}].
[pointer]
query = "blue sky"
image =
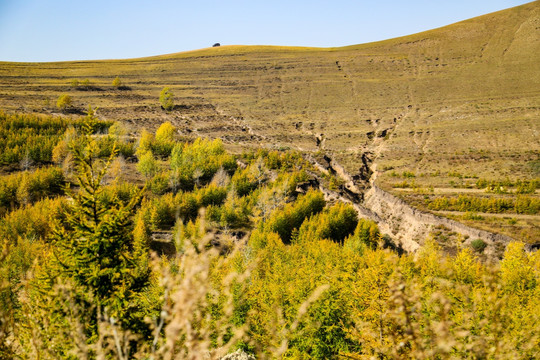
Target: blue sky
[{"x": 55, "y": 30}]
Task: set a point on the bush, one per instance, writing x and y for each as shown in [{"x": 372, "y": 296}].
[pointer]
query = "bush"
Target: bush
[
  {"x": 478, "y": 245},
  {"x": 164, "y": 140},
  {"x": 146, "y": 142},
  {"x": 163, "y": 214},
  {"x": 159, "y": 184},
  {"x": 469, "y": 215},
  {"x": 199, "y": 162},
  {"x": 520, "y": 204},
  {"x": 64, "y": 102},
  {"x": 35, "y": 136},
  {"x": 234, "y": 213},
  {"x": 147, "y": 165},
  {"x": 335, "y": 223},
  {"x": 85, "y": 84},
  {"x": 117, "y": 83},
  {"x": 211, "y": 195},
  {"x": 26, "y": 188},
  {"x": 366, "y": 234},
  {"x": 284, "y": 221},
  {"x": 243, "y": 182},
  {"x": 166, "y": 99}
]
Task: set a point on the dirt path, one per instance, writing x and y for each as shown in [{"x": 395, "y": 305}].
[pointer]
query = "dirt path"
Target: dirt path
[
  {"x": 500, "y": 216},
  {"x": 454, "y": 191}
]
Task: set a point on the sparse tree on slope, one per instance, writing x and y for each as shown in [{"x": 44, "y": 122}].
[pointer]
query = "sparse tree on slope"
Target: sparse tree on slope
[
  {"x": 64, "y": 102},
  {"x": 166, "y": 98},
  {"x": 117, "y": 83}
]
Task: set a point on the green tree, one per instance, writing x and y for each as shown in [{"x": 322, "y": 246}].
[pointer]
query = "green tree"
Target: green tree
[
  {"x": 94, "y": 252},
  {"x": 147, "y": 164},
  {"x": 64, "y": 102},
  {"x": 164, "y": 141},
  {"x": 165, "y": 132},
  {"x": 166, "y": 98},
  {"x": 284, "y": 221},
  {"x": 146, "y": 142}
]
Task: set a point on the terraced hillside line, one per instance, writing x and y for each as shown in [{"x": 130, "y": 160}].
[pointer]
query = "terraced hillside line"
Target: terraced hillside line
[
  {"x": 241, "y": 122},
  {"x": 454, "y": 191},
  {"x": 487, "y": 214}
]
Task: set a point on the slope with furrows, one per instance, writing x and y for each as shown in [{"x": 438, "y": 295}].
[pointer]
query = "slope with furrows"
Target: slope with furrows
[{"x": 464, "y": 98}]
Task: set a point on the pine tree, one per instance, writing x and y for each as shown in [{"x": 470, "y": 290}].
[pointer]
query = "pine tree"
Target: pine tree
[{"x": 94, "y": 251}]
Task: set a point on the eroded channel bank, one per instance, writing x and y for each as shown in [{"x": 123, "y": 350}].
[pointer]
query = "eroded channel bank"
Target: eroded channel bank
[{"x": 408, "y": 227}]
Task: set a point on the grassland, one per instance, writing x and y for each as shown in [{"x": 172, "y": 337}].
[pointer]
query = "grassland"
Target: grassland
[{"x": 463, "y": 98}]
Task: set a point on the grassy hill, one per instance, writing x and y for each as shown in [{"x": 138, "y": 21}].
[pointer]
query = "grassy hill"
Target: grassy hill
[{"x": 435, "y": 112}]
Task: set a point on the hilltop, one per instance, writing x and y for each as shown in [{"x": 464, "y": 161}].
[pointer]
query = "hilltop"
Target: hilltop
[{"x": 426, "y": 115}]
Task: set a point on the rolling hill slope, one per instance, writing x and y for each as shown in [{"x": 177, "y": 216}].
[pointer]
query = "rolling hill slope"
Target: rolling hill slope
[{"x": 446, "y": 106}]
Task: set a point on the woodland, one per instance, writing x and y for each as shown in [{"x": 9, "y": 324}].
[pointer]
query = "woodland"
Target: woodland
[{"x": 214, "y": 252}]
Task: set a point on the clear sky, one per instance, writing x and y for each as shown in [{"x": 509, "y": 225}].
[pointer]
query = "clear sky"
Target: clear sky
[{"x": 55, "y": 30}]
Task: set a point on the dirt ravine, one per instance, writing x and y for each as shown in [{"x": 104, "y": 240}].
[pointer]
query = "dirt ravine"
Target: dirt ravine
[{"x": 408, "y": 227}]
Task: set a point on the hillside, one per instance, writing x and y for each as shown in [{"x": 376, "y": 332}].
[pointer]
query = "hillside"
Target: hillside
[
  {"x": 373, "y": 201},
  {"x": 432, "y": 112}
]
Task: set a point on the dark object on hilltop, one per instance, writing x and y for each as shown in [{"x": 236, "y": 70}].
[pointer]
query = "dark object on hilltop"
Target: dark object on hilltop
[{"x": 216, "y": 45}]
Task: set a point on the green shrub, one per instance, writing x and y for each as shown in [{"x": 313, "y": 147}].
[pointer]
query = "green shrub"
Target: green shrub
[
  {"x": 335, "y": 223},
  {"x": 527, "y": 187},
  {"x": 147, "y": 165},
  {"x": 146, "y": 142},
  {"x": 366, "y": 234},
  {"x": 34, "y": 136},
  {"x": 164, "y": 140},
  {"x": 519, "y": 205},
  {"x": 187, "y": 206},
  {"x": 233, "y": 214},
  {"x": 284, "y": 221},
  {"x": 199, "y": 162},
  {"x": 124, "y": 192},
  {"x": 166, "y": 99},
  {"x": 402, "y": 185},
  {"x": 117, "y": 83},
  {"x": 28, "y": 187},
  {"x": 159, "y": 184},
  {"x": 64, "y": 102},
  {"x": 478, "y": 245},
  {"x": 408, "y": 174},
  {"x": 211, "y": 195},
  {"x": 243, "y": 182},
  {"x": 163, "y": 213},
  {"x": 472, "y": 216}
]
